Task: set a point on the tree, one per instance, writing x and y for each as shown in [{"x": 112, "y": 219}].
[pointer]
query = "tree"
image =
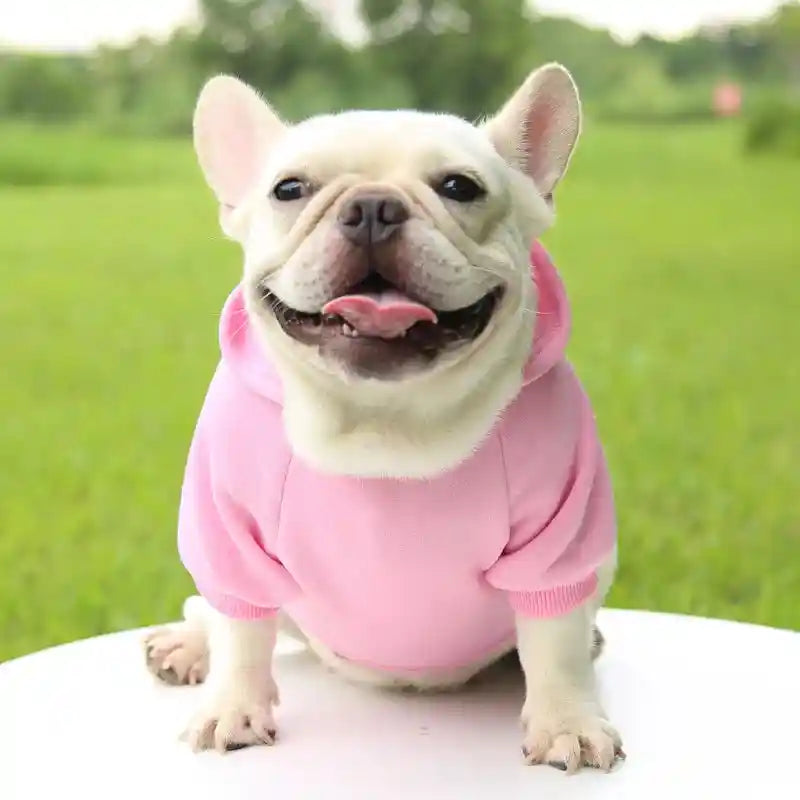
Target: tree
[
  {"x": 271, "y": 44},
  {"x": 44, "y": 87},
  {"x": 786, "y": 35},
  {"x": 462, "y": 56}
]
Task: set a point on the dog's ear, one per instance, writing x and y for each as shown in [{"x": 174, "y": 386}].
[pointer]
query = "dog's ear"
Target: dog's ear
[
  {"x": 233, "y": 132},
  {"x": 536, "y": 130}
]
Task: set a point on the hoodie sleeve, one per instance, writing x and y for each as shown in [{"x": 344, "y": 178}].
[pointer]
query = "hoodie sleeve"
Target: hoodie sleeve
[
  {"x": 219, "y": 540},
  {"x": 560, "y": 502}
]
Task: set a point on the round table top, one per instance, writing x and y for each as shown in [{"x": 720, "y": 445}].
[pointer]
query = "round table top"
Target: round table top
[{"x": 708, "y": 708}]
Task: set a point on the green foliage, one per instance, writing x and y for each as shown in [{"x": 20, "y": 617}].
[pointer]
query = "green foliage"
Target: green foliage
[
  {"x": 648, "y": 93},
  {"x": 31, "y": 155},
  {"x": 774, "y": 126},
  {"x": 110, "y": 316},
  {"x": 42, "y": 87},
  {"x": 784, "y": 33},
  {"x": 597, "y": 61},
  {"x": 461, "y": 56},
  {"x": 685, "y": 299}
]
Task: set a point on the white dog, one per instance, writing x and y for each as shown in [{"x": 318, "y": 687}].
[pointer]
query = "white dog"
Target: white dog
[{"x": 394, "y": 459}]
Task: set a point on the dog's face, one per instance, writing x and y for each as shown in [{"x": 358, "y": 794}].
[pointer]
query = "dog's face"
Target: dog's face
[
  {"x": 377, "y": 230},
  {"x": 384, "y": 244}
]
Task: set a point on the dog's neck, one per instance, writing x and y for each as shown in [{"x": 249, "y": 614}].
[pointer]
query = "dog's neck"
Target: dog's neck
[{"x": 416, "y": 430}]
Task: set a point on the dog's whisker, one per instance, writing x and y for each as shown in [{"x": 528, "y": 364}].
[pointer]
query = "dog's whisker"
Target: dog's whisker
[{"x": 502, "y": 279}]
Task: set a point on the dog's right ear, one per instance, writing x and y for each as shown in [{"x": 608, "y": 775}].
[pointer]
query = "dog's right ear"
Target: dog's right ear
[
  {"x": 536, "y": 130},
  {"x": 234, "y": 130}
]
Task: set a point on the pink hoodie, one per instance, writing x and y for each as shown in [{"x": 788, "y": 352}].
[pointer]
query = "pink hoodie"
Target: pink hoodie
[{"x": 402, "y": 575}]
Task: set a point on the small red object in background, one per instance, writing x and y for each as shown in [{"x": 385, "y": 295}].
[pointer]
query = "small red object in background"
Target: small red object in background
[{"x": 727, "y": 100}]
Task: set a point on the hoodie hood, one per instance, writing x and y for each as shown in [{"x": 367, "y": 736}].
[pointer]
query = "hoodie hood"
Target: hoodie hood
[
  {"x": 244, "y": 354},
  {"x": 552, "y": 328}
]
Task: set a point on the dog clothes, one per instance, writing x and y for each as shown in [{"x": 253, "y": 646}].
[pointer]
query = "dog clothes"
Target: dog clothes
[{"x": 399, "y": 574}]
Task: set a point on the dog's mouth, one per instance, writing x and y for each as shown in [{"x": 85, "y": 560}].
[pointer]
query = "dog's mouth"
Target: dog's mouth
[{"x": 377, "y": 320}]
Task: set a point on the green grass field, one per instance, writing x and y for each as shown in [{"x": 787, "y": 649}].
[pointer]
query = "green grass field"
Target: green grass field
[{"x": 682, "y": 261}]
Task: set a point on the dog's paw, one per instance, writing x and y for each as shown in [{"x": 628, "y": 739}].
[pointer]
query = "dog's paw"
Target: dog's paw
[
  {"x": 571, "y": 742},
  {"x": 177, "y": 654},
  {"x": 234, "y": 720}
]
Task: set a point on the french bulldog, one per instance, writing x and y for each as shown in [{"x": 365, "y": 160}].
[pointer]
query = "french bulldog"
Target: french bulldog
[{"x": 394, "y": 461}]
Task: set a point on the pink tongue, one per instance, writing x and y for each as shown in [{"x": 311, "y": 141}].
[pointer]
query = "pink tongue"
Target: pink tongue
[{"x": 387, "y": 315}]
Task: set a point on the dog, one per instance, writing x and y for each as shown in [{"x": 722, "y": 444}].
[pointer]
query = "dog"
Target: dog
[{"x": 394, "y": 461}]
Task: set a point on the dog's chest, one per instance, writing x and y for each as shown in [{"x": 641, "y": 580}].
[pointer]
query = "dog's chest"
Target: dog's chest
[{"x": 409, "y": 528}]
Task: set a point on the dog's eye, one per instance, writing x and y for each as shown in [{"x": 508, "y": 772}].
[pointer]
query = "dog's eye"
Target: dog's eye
[
  {"x": 459, "y": 188},
  {"x": 289, "y": 189}
]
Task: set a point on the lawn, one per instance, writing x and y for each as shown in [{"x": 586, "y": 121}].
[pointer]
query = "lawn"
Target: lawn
[{"x": 682, "y": 262}]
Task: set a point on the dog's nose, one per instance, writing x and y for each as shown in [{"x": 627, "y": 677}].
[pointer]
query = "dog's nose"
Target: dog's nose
[{"x": 372, "y": 218}]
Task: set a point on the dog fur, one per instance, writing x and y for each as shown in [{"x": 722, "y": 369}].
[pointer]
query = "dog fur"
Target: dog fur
[{"x": 422, "y": 421}]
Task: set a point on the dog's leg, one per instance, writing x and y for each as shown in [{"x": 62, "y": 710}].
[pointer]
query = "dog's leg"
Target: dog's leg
[
  {"x": 565, "y": 725},
  {"x": 564, "y": 722},
  {"x": 240, "y": 691},
  {"x": 605, "y": 577}
]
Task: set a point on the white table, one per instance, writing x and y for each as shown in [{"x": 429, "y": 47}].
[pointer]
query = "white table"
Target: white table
[{"x": 708, "y": 710}]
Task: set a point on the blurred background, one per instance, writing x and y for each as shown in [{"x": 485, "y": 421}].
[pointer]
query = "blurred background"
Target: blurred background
[{"x": 677, "y": 237}]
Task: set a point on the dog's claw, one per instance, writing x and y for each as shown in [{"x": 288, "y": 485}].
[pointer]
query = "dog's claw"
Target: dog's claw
[
  {"x": 558, "y": 765},
  {"x": 169, "y": 676},
  {"x": 177, "y": 654}
]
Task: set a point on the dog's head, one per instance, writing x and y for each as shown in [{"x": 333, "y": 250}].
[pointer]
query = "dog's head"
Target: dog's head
[{"x": 385, "y": 245}]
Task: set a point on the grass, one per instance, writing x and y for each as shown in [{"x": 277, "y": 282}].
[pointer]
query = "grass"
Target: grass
[
  {"x": 55, "y": 156},
  {"x": 681, "y": 260}
]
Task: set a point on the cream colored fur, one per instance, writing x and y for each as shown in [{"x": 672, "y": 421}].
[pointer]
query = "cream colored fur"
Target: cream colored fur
[
  {"x": 561, "y": 703},
  {"x": 422, "y": 423},
  {"x": 431, "y": 420},
  {"x": 563, "y": 720}
]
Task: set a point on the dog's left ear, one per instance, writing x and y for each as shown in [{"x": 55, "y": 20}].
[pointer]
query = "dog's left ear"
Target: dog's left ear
[
  {"x": 536, "y": 130},
  {"x": 234, "y": 130}
]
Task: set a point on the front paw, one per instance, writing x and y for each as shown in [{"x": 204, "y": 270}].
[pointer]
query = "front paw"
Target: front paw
[
  {"x": 571, "y": 741},
  {"x": 232, "y": 720}
]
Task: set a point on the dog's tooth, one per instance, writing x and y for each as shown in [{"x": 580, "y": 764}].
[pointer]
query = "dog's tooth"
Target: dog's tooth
[{"x": 347, "y": 330}]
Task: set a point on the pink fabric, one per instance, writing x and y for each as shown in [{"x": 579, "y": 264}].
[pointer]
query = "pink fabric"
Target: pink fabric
[{"x": 404, "y": 575}]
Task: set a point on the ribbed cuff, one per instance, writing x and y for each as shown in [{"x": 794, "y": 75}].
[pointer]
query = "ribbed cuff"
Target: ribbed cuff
[
  {"x": 553, "y": 602},
  {"x": 238, "y": 609}
]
